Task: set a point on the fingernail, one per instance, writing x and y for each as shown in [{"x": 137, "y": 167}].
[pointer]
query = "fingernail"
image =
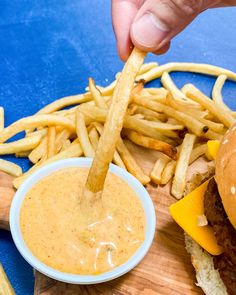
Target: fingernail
[{"x": 149, "y": 31}]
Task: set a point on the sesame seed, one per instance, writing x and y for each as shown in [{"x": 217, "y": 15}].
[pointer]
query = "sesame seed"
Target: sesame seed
[
  {"x": 233, "y": 190},
  {"x": 225, "y": 141}
]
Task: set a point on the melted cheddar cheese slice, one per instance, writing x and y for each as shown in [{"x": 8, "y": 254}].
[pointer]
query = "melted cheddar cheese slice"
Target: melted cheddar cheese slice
[
  {"x": 187, "y": 211},
  {"x": 213, "y": 146}
]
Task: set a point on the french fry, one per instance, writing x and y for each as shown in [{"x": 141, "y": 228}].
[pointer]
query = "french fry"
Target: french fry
[
  {"x": 138, "y": 116},
  {"x": 131, "y": 164},
  {"x": 83, "y": 136},
  {"x": 217, "y": 94},
  {"x": 169, "y": 84},
  {"x": 143, "y": 127},
  {"x": 147, "y": 67},
  {"x": 33, "y": 122},
  {"x": 157, "y": 91},
  {"x": 215, "y": 109},
  {"x": 197, "y": 152},
  {"x": 191, "y": 123},
  {"x": 165, "y": 128},
  {"x": 168, "y": 172},
  {"x": 179, "y": 181},
  {"x": 66, "y": 111},
  {"x": 213, "y": 126},
  {"x": 151, "y": 143},
  {"x": 96, "y": 94},
  {"x": 118, "y": 161},
  {"x": 108, "y": 90},
  {"x": 5, "y": 285},
  {"x": 74, "y": 150},
  {"x": 1, "y": 118},
  {"x": 37, "y": 153},
  {"x": 148, "y": 114},
  {"x": 20, "y": 145},
  {"x": 186, "y": 67},
  {"x": 183, "y": 106},
  {"x": 96, "y": 114},
  {"x": 64, "y": 102},
  {"x": 213, "y": 135},
  {"x": 22, "y": 154},
  {"x": 156, "y": 173},
  {"x": 94, "y": 137},
  {"x": 66, "y": 145},
  {"x": 158, "y": 97},
  {"x": 172, "y": 121},
  {"x": 199, "y": 115},
  {"x": 93, "y": 113},
  {"x": 217, "y": 89},
  {"x": 131, "y": 110},
  {"x": 42, "y": 132},
  {"x": 10, "y": 168},
  {"x": 114, "y": 122},
  {"x": 51, "y": 137},
  {"x": 138, "y": 88},
  {"x": 61, "y": 137}
]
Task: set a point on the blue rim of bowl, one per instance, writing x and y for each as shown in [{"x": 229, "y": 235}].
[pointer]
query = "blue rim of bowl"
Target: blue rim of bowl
[{"x": 141, "y": 192}]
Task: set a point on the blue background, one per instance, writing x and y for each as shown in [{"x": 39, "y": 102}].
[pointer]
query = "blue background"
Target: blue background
[{"x": 48, "y": 49}]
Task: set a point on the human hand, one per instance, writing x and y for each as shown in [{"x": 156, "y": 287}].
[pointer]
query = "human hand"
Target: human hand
[{"x": 151, "y": 24}]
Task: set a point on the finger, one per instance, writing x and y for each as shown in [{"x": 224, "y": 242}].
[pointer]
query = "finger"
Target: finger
[
  {"x": 163, "y": 49},
  {"x": 158, "y": 21},
  {"x": 123, "y": 14}
]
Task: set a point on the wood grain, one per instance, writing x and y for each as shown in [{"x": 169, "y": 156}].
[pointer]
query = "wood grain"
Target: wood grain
[
  {"x": 166, "y": 270},
  {"x": 6, "y": 194}
]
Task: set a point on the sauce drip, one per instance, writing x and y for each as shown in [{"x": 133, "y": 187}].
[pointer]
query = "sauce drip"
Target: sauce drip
[{"x": 57, "y": 232}]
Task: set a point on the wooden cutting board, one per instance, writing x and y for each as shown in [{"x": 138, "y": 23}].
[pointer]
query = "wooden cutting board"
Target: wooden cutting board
[{"x": 166, "y": 269}]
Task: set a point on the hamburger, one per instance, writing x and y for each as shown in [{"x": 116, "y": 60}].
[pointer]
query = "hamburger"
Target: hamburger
[{"x": 216, "y": 274}]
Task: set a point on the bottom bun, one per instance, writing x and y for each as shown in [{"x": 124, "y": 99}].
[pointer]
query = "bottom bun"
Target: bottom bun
[{"x": 208, "y": 278}]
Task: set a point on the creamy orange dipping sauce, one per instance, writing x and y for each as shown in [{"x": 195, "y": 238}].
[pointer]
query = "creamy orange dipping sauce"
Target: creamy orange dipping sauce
[{"x": 57, "y": 233}]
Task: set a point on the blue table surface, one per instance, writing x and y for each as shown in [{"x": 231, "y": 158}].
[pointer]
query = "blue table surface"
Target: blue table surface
[{"x": 48, "y": 49}]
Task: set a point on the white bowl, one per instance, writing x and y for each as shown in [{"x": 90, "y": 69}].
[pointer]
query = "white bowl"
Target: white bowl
[{"x": 144, "y": 197}]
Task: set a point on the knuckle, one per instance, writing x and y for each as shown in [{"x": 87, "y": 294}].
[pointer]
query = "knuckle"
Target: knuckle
[
  {"x": 186, "y": 7},
  {"x": 191, "y": 7}
]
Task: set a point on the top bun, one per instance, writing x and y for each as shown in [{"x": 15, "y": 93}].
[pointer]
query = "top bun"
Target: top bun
[{"x": 226, "y": 173}]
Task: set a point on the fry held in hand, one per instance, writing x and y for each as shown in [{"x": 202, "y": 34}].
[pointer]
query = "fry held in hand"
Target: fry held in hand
[
  {"x": 116, "y": 158},
  {"x": 114, "y": 122}
]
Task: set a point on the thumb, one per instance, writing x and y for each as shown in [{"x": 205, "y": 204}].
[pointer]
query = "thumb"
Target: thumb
[{"x": 158, "y": 21}]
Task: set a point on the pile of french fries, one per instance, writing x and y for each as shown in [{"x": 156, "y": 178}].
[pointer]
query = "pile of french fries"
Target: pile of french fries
[{"x": 176, "y": 122}]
